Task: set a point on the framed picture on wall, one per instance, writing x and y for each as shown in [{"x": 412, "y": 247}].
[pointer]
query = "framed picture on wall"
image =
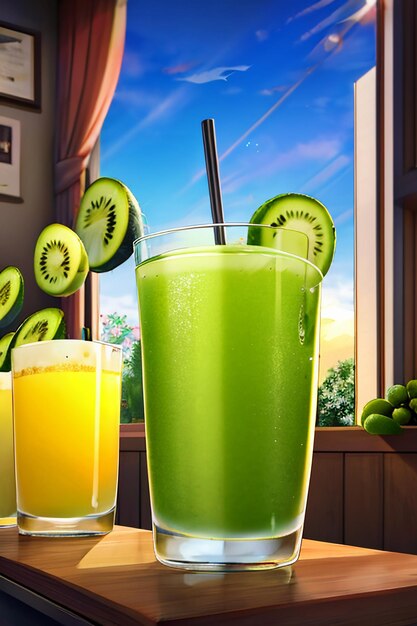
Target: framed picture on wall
[
  {"x": 9, "y": 157},
  {"x": 19, "y": 66}
]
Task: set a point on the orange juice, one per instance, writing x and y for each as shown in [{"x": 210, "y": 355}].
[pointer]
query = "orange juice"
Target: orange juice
[
  {"x": 67, "y": 413},
  {"x": 7, "y": 479}
]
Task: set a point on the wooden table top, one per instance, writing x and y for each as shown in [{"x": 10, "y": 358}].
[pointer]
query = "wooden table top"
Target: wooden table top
[{"x": 115, "y": 579}]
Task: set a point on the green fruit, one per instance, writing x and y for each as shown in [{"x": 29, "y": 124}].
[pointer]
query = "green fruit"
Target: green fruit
[
  {"x": 376, "y": 424},
  {"x": 5, "y": 343},
  {"x": 413, "y": 404},
  {"x": 379, "y": 405},
  {"x": 108, "y": 222},
  {"x": 402, "y": 415},
  {"x": 397, "y": 395},
  {"x": 60, "y": 261},
  {"x": 412, "y": 388},
  {"x": 43, "y": 325},
  {"x": 11, "y": 294},
  {"x": 301, "y": 213}
]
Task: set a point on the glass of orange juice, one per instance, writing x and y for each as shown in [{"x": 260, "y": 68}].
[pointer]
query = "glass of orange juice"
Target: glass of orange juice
[
  {"x": 66, "y": 404},
  {"x": 7, "y": 478}
]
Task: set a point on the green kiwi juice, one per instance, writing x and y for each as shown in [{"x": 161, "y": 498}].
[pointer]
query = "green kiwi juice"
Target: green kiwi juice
[{"x": 230, "y": 343}]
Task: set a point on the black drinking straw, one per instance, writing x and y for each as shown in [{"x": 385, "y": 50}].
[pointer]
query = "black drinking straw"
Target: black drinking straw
[{"x": 213, "y": 179}]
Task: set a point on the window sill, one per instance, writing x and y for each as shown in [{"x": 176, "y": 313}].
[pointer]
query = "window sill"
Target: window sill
[
  {"x": 327, "y": 439},
  {"x": 356, "y": 439}
]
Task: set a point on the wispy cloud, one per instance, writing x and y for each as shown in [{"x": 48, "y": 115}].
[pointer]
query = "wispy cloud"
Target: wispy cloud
[
  {"x": 166, "y": 108},
  {"x": 273, "y": 90},
  {"x": 361, "y": 13},
  {"x": 321, "y": 4},
  {"x": 346, "y": 216},
  {"x": 217, "y": 73},
  {"x": 328, "y": 172},
  {"x": 198, "y": 213},
  {"x": 329, "y": 20},
  {"x": 232, "y": 91},
  {"x": 133, "y": 64},
  {"x": 329, "y": 43},
  {"x": 253, "y": 127},
  {"x": 337, "y": 332},
  {"x": 320, "y": 149},
  {"x": 181, "y": 68},
  {"x": 337, "y": 302},
  {"x": 321, "y": 102},
  {"x": 138, "y": 98},
  {"x": 262, "y": 35},
  {"x": 267, "y": 113}
]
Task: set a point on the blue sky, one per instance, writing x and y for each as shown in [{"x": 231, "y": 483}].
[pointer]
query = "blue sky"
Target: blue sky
[{"x": 278, "y": 79}]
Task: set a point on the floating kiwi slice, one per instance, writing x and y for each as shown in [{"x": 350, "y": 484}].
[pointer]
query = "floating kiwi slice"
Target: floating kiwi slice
[
  {"x": 60, "y": 261},
  {"x": 108, "y": 222},
  {"x": 301, "y": 213},
  {"x": 5, "y": 343},
  {"x": 11, "y": 295},
  {"x": 43, "y": 325}
]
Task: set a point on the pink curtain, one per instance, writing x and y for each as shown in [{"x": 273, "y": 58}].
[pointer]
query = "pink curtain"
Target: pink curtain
[{"x": 90, "y": 51}]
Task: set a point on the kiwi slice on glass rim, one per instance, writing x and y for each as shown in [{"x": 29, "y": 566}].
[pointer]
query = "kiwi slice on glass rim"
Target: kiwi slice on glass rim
[
  {"x": 60, "y": 261},
  {"x": 11, "y": 294},
  {"x": 5, "y": 347},
  {"x": 302, "y": 213},
  {"x": 108, "y": 222}
]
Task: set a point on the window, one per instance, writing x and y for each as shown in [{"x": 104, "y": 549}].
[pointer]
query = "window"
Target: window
[{"x": 279, "y": 80}]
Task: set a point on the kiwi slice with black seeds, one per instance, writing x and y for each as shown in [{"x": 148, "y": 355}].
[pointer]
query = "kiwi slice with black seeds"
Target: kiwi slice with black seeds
[
  {"x": 60, "y": 261},
  {"x": 42, "y": 325},
  {"x": 11, "y": 294},
  {"x": 108, "y": 222},
  {"x": 302, "y": 213},
  {"x": 5, "y": 346}
]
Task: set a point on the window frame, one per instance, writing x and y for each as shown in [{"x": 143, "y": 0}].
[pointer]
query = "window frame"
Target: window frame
[{"x": 387, "y": 264}]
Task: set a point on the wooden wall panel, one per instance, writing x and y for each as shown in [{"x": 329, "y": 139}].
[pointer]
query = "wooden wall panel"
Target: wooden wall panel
[
  {"x": 128, "y": 505},
  {"x": 364, "y": 492},
  {"x": 400, "y": 502},
  {"x": 324, "y": 516},
  {"x": 366, "y": 497}
]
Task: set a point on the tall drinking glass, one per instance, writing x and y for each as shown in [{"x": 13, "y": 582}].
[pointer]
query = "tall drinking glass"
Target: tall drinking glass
[
  {"x": 7, "y": 478},
  {"x": 230, "y": 362},
  {"x": 66, "y": 397}
]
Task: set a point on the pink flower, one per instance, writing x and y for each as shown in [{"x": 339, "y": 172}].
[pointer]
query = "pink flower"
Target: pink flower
[
  {"x": 136, "y": 332},
  {"x": 115, "y": 331}
]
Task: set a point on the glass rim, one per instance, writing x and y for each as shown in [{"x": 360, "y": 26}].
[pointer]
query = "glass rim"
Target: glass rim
[
  {"x": 170, "y": 231},
  {"x": 56, "y": 341},
  {"x": 177, "y": 229}
]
